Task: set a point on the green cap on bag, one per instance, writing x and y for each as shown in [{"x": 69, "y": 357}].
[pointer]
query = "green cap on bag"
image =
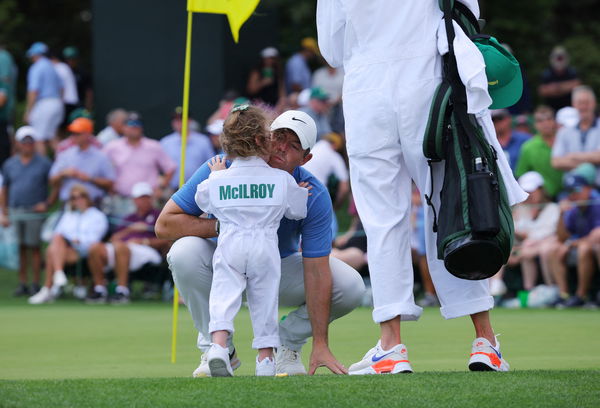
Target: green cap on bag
[{"x": 505, "y": 83}]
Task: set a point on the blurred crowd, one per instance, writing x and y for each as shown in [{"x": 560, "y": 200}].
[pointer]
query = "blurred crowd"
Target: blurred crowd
[{"x": 90, "y": 200}]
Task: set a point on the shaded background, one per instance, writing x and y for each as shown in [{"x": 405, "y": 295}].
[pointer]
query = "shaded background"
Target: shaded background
[{"x": 136, "y": 55}]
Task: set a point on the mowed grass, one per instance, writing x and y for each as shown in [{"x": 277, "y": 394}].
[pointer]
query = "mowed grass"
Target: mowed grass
[{"x": 71, "y": 354}]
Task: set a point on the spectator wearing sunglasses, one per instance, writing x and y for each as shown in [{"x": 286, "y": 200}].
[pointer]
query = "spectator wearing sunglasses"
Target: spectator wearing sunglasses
[{"x": 81, "y": 226}]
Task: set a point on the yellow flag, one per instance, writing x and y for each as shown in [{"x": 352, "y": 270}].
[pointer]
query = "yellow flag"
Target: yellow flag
[{"x": 237, "y": 11}]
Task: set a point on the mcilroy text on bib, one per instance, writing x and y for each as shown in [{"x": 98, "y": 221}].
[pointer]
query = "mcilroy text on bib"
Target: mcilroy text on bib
[{"x": 247, "y": 191}]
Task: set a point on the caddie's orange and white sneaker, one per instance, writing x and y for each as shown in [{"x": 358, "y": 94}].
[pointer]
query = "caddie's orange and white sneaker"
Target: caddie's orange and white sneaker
[
  {"x": 485, "y": 357},
  {"x": 380, "y": 361}
]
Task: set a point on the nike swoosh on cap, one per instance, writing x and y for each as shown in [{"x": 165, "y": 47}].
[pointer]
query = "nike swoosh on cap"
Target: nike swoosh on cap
[
  {"x": 377, "y": 358},
  {"x": 299, "y": 120}
]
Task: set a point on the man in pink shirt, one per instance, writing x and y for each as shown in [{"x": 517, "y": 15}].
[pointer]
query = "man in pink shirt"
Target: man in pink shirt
[{"x": 137, "y": 159}]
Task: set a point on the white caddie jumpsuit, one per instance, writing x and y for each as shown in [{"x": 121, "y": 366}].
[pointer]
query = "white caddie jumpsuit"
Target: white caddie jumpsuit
[
  {"x": 390, "y": 52},
  {"x": 249, "y": 199}
]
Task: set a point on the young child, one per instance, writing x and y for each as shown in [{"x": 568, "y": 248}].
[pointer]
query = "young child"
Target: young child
[{"x": 249, "y": 199}]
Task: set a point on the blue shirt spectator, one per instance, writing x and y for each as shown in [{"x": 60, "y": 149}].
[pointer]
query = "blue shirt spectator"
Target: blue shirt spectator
[
  {"x": 581, "y": 220},
  {"x": 43, "y": 79},
  {"x": 315, "y": 229},
  {"x": 199, "y": 149},
  {"x": 513, "y": 148},
  {"x": 27, "y": 184},
  {"x": 91, "y": 161},
  {"x": 297, "y": 73}
]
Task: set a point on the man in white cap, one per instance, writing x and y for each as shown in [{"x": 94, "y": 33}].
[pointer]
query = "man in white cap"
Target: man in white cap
[
  {"x": 132, "y": 246},
  {"x": 322, "y": 288},
  {"x": 25, "y": 192},
  {"x": 45, "y": 109}
]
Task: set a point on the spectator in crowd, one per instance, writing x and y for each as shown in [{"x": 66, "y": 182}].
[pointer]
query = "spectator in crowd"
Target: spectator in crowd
[
  {"x": 580, "y": 144},
  {"x": 351, "y": 247},
  {"x": 5, "y": 145},
  {"x": 326, "y": 163},
  {"x": 115, "y": 122},
  {"x": 82, "y": 78},
  {"x": 558, "y": 80},
  {"x": 581, "y": 233},
  {"x": 567, "y": 117},
  {"x": 72, "y": 139},
  {"x": 318, "y": 109},
  {"x": 198, "y": 149},
  {"x": 8, "y": 80},
  {"x": 44, "y": 110},
  {"x": 510, "y": 140},
  {"x": 83, "y": 164},
  {"x": 331, "y": 81},
  {"x": 297, "y": 71},
  {"x": 329, "y": 167},
  {"x": 418, "y": 251},
  {"x": 214, "y": 131},
  {"x": 69, "y": 96},
  {"x": 137, "y": 158},
  {"x": 536, "y": 153},
  {"x": 25, "y": 199},
  {"x": 265, "y": 82},
  {"x": 536, "y": 221},
  {"x": 77, "y": 230},
  {"x": 229, "y": 100},
  {"x": 132, "y": 246}
]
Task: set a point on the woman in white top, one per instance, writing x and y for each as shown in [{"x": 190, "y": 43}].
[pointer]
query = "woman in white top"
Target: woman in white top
[
  {"x": 77, "y": 229},
  {"x": 536, "y": 221}
]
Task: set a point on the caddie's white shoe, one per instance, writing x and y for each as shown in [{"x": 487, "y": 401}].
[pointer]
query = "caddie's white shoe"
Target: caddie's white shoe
[
  {"x": 43, "y": 296},
  {"x": 265, "y": 368},
  {"x": 288, "y": 361},
  {"x": 380, "y": 361},
  {"x": 484, "y": 357},
  {"x": 204, "y": 371},
  {"x": 218, "y": 361}
]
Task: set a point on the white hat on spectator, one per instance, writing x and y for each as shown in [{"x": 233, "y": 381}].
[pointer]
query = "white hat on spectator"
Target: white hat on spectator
[
  {"x": 215, "y": 128},
  {"x": 567, "y": 116},
  {"x": 304, "y": 97},
  {"x": 269, "y": 52},
  {"x": 23, "y": 132},
  {"x": 531, "y": 181},
  {"x": 141, "y": 189}
]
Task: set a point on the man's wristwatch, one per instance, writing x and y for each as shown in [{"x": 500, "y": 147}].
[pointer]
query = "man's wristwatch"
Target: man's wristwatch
[{"x": 217, "y": 227}]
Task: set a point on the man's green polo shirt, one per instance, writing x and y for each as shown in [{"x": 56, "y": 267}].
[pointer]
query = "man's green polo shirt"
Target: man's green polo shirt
[{"x": 536, "y": 155}]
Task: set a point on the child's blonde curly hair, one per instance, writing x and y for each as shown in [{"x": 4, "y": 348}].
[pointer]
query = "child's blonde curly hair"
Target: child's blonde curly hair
[{"x": 245, "y": 132}]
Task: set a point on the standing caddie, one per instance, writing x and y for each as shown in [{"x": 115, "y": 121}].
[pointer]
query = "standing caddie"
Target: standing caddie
[
  {"x": 391, "y": 55},
  {"x": 322, "y": 288}
]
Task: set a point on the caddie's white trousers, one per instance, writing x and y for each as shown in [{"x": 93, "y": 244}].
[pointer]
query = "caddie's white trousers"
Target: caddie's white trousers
[
  {"x": 386, "y": 107},
  {"x": 246, "y": 260},
  {"x": 190, "y": 261}
]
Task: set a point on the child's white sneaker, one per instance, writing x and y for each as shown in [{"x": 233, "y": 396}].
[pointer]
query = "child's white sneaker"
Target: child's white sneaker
[
  {"x": 266, "y": 367},
  {"x": 218, "y": 361}
]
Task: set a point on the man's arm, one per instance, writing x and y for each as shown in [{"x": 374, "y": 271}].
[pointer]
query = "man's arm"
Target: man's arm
[
  {"x": 317, "y": 285},
  {"x": 174, "y": 223},
  {"x": 564, "y": 163}
]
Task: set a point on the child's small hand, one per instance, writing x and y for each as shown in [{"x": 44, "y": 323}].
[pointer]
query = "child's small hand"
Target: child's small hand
[
  {"x": 306, "y": 185},
  {"x": 217, "y": 163}
]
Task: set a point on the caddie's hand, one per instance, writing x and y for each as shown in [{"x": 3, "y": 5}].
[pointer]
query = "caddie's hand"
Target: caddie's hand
[
  {"x": 321, "y": 356},
  {"x": 306, "y": 185},
  {"x": 217, "y": 163}
]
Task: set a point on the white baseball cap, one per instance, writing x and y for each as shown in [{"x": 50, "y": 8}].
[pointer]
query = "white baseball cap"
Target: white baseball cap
[
  {"x": 269, "y": 52},
  {"x": 141, "y": 189},
  {"x": 215, "y": 128},
  {"x": 531, "y": 181},
  {"x": 300, "y": 123},
  {"x": 567, "y": 116},
  {"x": 23, "y": 132}
]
